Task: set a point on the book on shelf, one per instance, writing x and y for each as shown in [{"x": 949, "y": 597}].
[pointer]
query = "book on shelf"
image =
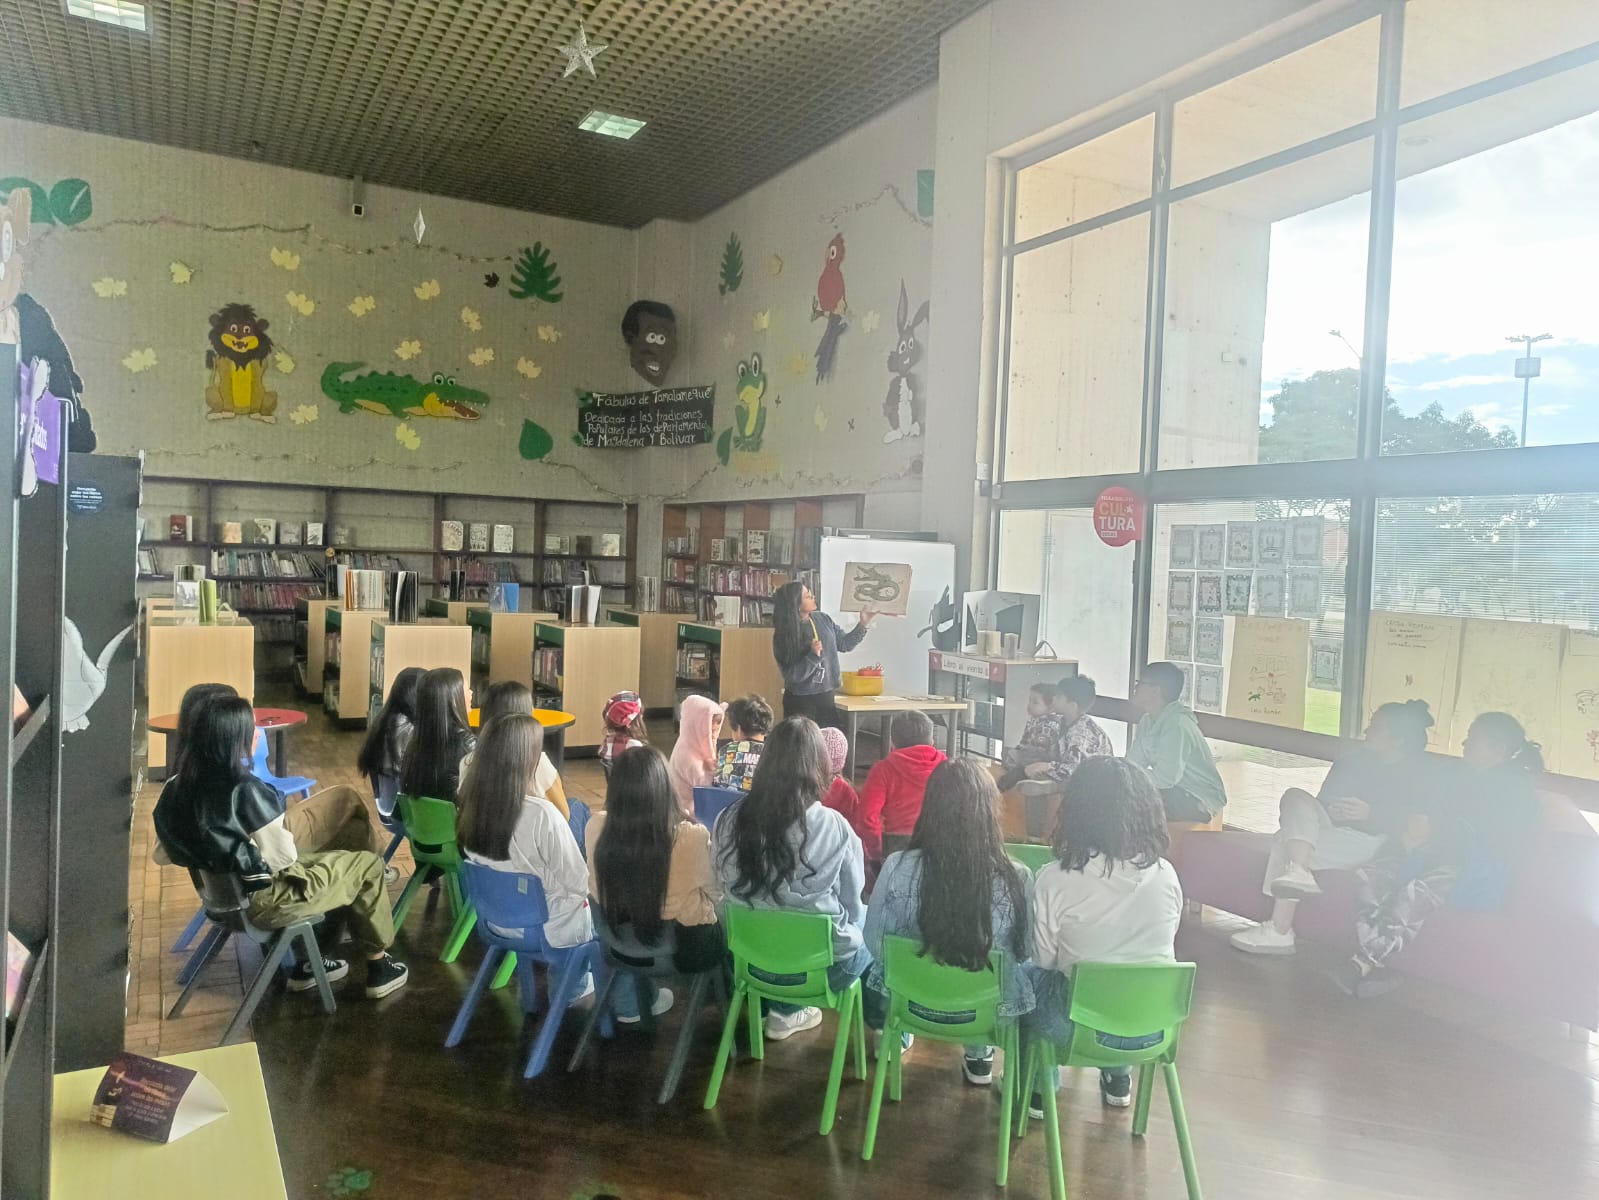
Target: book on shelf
[
  {"x": 647, "y": 597},
  {"x": 477, "y": 537},
  {"x": 779, "y": 549},
  {"x": 452, "y": 536},
  {"x": 148, "y": 564},
  {"x": 313, "y": 533},
  {"x": 547, "y": 673},
  {"x": 180, "y": 528},
  {"x": 504, "y": 541},
  {"x": 683, "y": 544},
  {"x": 405, "y": 599},
  {"x": 343, "y": 535},
  {"x": 261, "y": 531},
  {"x": 557, "y": 543},
  {"x": 756, "y": 612},
  {"x": 755, "y": 546},
  {"x": 582, "y": 543},
  {"x": 288, "y": 533},
  {"x": 231, "y": 533},
  {"x": 505, "y": 597},
  {"x": 696, "y": 662},
  {"x": 610, "y": 545},
  {"x": 725, "y": 610},
  {"x": 19, "y": 961}
]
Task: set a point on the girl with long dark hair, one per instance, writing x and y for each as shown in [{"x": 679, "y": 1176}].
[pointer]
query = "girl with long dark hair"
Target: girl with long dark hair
[
  {"x": 650, "y": 869},
  {"x": 806, "y": 644},
  {"x": 441, "y": 739},
  {"x": 1110, "y": 896},
  {"x": 194, "y": 701},
  {"x": 504, "y": 824},
  {"x": 316, "y": 858},
  {"x": 383, "y": 753},
  {"x": 780, "y": 847},
  {"x": 957, "y": 891},
  {"x": 509, "y": 697}
]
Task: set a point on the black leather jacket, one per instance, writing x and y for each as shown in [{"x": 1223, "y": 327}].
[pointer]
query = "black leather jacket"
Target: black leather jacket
[{"x": 211, "y": 830}]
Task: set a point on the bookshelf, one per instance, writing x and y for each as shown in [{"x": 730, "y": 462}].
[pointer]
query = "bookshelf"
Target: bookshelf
[
  {"x": 394, "y": 647},
  {"x": 33, "y": 557},
  {"x": 502, "y": 648},
  {"x": 741, "y": 552},
  {"x": 310, "y": 648},
  {"x": 453, "y": 611},
  {"x": 180, "y": 652},
  {"x": 657, "y": 665},
  {"x": 725, "y": 662},
  {"x": 347, "y": 663},
  {"x": 577, "y": 668}
]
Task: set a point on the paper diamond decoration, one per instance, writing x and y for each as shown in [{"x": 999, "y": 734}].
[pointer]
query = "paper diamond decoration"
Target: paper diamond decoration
[{"x": 419, "y": 226}]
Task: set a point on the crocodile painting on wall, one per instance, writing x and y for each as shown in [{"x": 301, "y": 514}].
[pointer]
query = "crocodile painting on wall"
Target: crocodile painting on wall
[{"x": 354, "y": 387}]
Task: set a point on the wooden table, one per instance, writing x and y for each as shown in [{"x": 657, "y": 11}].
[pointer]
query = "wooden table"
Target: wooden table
[
  {"x": 555, "y": 723},
  {"x": 884, "y": 707},
  {"x": 235, "y": 1155},
  {"x": 270, "y": 721}
]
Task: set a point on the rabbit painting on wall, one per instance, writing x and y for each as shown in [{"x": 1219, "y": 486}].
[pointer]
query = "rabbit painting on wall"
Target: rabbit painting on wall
[{"x": 903, "y": 405}]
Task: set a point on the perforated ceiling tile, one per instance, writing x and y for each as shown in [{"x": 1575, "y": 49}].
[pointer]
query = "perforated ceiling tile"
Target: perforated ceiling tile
[{"x": 467, "y": 99}]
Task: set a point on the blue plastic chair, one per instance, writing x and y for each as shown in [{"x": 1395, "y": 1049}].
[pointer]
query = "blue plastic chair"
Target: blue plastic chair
[
  {"x": 711, "y": 802},
  {"x": 507, "y": 900},
  {"x": 289, "y": 785}
]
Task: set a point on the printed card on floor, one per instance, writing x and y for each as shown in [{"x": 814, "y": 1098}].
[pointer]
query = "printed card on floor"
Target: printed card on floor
[
  {"x": 1182, "y": 546},
  {"x": 1270, "y": 593},
  {"x": 1271, "y": 543},
  {"x": 1211, "y": 545},
  {"x": 1208, "y": 689},
  {"x": 1240, "y": 543},
  {"x": 1304, "y": 540},
  {"x": 155, "y": 1100},
  {"x": 1180, "y": 593},
  {"x": 1237, "y": 593},
  {"x": 1179, "y": 637},
  {"x": 1210, "y": 640},
  {"x": 1207, "y": 594},
  {"x": 1304, "y": 594}
]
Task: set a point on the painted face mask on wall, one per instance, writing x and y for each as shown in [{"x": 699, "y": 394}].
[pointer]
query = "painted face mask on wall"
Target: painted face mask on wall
[{"x": 650, "y": 330}]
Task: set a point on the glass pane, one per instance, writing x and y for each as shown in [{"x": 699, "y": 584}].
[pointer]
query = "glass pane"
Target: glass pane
[
  {"x": 1075, "y": 400},
  {"x": 1450, "y": 44},
  {"x": 1327, "y": 86},
  {"x": 1256, "y": 779},
  {"x": 1494, "y": 238},
  {"x": 1491, "y": 603},
  {"x": 1248, "y": 600},
  {"x": 1265, "y": 303},
  {"x": 1086, "y": 611},
  {"x": 1096, "y": 177}
]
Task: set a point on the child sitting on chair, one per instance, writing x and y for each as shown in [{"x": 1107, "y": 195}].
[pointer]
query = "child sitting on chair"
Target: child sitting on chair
[
  {"x": 749, "y": 719},
  {"x": 624, "y": 727},
  {"x": 1040, "y": 740}
]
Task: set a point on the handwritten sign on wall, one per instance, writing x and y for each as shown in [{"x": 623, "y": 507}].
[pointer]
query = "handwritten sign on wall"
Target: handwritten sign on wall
[{"x": 629, "y": 420}]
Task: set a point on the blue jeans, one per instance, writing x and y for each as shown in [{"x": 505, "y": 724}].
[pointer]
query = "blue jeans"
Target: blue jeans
[
  {"x": 1048, "y": 1021},
  {"x": 578, "y": 823},
  {"x": 624, "y": 996},
  {"x": 876, "y": 1011},
  {"x": 840, "y": 975}
]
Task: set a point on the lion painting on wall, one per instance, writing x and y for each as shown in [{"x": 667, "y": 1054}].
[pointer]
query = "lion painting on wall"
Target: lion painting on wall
[{"x": 238, "y": 361}]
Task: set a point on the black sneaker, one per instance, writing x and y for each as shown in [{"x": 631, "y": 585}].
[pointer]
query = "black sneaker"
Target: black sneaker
[
  {"x": 303, "y": 979},
  {"x": 1115, "y": 1090},
  {"x": 385, "y": 975},
  {"x": 979, "y": 1072},
  {"x": 1035, "y": 1106}
]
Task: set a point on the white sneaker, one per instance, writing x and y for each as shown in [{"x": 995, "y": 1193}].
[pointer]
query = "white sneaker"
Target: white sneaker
[
  {"x": 906, "y": 1041},
  {"x": 584, "y": 992},
  {"x": 782, "y": 1026},
  {"x": 1263, "y": 939},
  {"x": 1295, "y": 881},
  {"x": 662, "y": 1005}
]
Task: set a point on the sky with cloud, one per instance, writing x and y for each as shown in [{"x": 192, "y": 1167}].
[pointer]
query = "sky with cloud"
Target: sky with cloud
[{"x": 1502, "y": 242}]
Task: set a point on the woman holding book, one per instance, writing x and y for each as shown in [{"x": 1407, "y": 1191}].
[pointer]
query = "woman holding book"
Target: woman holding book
[{"x": 806, "y": 644}]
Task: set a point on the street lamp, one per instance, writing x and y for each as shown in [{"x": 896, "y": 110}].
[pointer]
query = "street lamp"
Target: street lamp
[{"x": 1527, "y": 369}]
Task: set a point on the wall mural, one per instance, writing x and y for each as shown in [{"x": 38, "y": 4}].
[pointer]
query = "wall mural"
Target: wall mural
[
  {"x": 535, "y": 276},
  {"x": 238, "y": 362},
  {"x": 352, "y": 386},
  {"x": 535, "y": 442},
  {"x": 69, "y": 202},
  {"x": 732, "y": 271},
  {"x": 650, "y": 330},
  {"x": 749, "y": 412},
  {"x": 904, "y": 404},
  {"x": 829, "y": 302}
]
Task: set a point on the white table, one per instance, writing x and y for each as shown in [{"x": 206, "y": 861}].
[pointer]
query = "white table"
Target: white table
[{"x": 884, "y": 707}]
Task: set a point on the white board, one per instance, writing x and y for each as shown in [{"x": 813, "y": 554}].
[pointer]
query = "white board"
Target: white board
[{"x": 900, "y": 644}]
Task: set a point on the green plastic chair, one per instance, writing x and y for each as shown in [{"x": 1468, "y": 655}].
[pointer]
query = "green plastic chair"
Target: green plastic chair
[
  {"x": 430, "y": 826},
  {"x": 768, "y": 945},
  {"x": 942, "y": 1004},
  {"x": 1124, "y": 1000},
  {"x": 1030, "y": 856}
]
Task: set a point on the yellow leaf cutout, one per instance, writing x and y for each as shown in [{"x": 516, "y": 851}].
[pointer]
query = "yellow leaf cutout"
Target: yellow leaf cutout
[
  {"x": 820, "y": 418},
  {"x": 140, "y": 360},
  {"x": 427, "y": 289},
  {"x": 300, "y": 303},
  {"x": 181, "y": 272},
  {"x": 287, "y": 259},
  {"x": 406, "y": 436},
  {"x": 529, "y": 369},
  {"x": 362, "y": 305},
  {"x": 763, "y": 320},
  {"x": 799, "y": 366},
  {"x": 107, "y": 288},
  {"x": 775, "y": 266},
  {"x": 408, "y": 350},
  {"x": 727, "y": 340},
  {"x": 481, "y": 357},
  {"x": 305, "y": 414},
  {"x": 870, "y": 321},
  {"x": 549, "y": 333},
  {"x": 283, "y": 362},
  {"x": 471, "y": 320}
]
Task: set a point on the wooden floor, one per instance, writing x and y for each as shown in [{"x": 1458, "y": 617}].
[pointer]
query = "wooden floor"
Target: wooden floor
[{"x": 1293, "y": 1092}]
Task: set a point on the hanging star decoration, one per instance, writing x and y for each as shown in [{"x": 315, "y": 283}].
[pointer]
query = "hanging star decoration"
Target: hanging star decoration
[{"x": 580, "y": 52}]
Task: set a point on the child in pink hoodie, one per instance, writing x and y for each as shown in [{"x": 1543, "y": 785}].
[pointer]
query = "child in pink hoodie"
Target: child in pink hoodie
[{"x": 694, "y": 755}]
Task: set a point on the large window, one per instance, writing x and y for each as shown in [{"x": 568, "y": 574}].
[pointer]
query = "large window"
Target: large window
[{"x": 1376, "y": 320}]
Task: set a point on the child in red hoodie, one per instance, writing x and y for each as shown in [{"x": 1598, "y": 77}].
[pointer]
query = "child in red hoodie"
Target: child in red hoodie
[{"x": 892, "y": 798}]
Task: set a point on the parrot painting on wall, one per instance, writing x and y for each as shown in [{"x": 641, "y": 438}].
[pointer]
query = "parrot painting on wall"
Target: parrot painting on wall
[{"x": 829, "y": 302}]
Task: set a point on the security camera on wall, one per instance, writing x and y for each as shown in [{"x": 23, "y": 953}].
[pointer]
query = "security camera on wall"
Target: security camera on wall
[{"x": 357, "y": 197}]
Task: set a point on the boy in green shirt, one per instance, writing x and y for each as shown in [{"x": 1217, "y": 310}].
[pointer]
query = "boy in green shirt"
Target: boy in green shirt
[{"x": 1168, "y": 745}]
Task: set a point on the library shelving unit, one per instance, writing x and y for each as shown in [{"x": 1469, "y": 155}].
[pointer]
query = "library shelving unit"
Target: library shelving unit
[
  {"x": 33, "y": 557},
  {"x": 577, "y": 668},
  {"x": 657, "y": 662},
  {"x": 389, "y": 529},
  {"x": 347, "y": 663},
  {"x": 180, "y": 652},
  {"x": 453, "y": 611},
  {"x": 744, "y": 551},
  {"x": 502, "y": 648},
  {"x": 310, "y": 641},
  {"x": 725, "y": 662},
  {"x": 396, "y": 646}
]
